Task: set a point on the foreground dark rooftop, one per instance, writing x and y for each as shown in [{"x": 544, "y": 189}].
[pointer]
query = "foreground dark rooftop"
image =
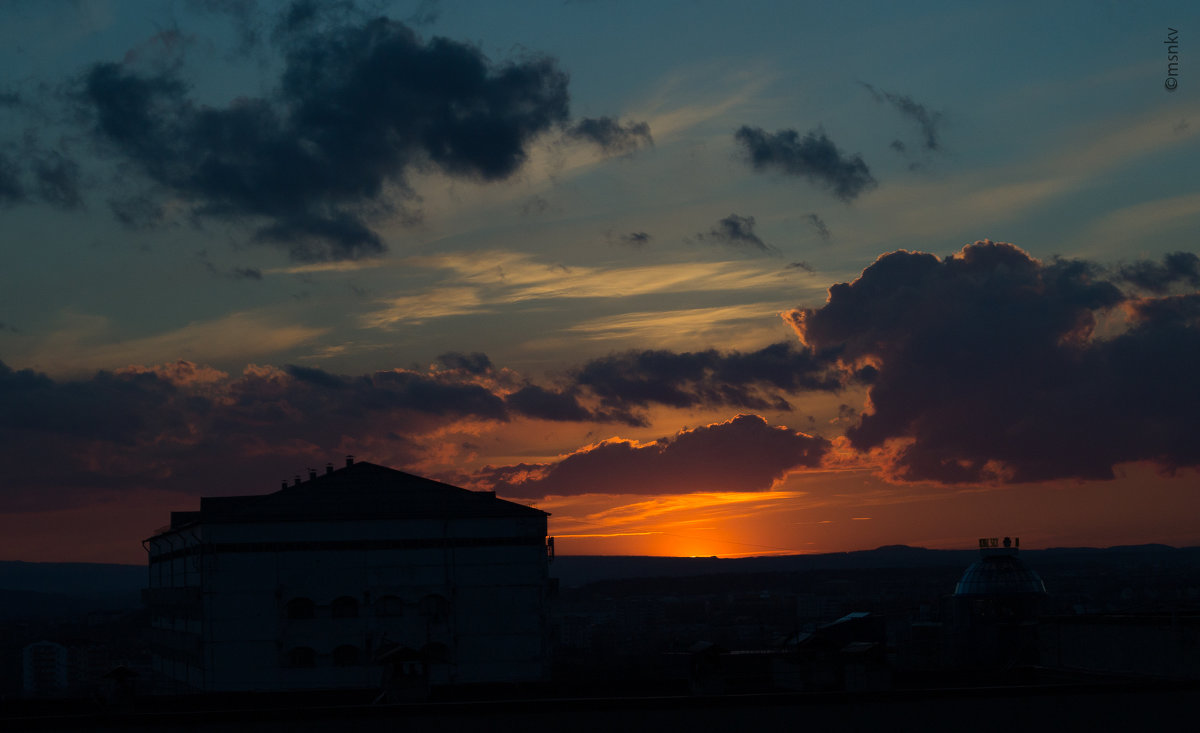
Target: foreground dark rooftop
[{"x": 361, "y": 490}]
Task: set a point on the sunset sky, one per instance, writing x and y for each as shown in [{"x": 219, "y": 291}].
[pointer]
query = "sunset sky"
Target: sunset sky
[{"x": 697, "y": 278}]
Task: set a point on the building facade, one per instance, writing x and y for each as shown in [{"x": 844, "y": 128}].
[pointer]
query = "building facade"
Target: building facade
[
  {"x": 354, "y": 578},
  {"x": 45, "y": 669}
]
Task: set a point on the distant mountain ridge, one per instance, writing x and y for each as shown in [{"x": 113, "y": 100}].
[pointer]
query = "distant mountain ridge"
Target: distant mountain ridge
[
  {"x": 117, "y": 584},
  {"x": 578, "y": 570},
  {"x": 71, "y": 577}
]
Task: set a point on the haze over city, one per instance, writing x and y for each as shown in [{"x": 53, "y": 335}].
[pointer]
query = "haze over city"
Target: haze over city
[{"x": 697, "y": 280}]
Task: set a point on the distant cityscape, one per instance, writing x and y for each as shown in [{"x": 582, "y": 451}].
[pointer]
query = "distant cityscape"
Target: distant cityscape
[{"x": 386, "y": 588}]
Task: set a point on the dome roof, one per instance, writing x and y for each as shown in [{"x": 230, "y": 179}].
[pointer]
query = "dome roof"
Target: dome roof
[{"x": 999, "y": 575}]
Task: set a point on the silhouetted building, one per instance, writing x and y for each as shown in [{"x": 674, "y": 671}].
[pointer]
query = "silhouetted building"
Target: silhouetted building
[
  {"x": 996, "y": 605},
  {"x": 353, "y": 578}
]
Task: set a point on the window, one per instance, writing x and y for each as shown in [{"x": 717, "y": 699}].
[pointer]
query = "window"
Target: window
[
  {"x": 344, "y": 607},
  {"x": 345, "y": 656},
  {"x": 300, "y": 608},
  {"x": 302, "y": 656},
  {"x": 389, "y": 606}
]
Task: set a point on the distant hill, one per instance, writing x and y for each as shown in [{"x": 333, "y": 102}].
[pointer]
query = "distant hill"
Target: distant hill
[
  {"x": 53, "y": 590},
  {"x": 579, "y": 570},
  {"x": 107, "y": 586},
  {"x": 71, "y": 577}
]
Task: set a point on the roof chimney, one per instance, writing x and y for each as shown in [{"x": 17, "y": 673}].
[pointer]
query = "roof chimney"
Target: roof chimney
[
  {"x": 285, "y": 483},
  {"x": 349, "y": 461},
  {"x": 312, "y": 474},
  {"x": 296, "y": 482},
  {"x": 328, "y": 468}
]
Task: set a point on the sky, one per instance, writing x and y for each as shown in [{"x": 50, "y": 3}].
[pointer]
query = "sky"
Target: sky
[{"x": 695, "y": 278}]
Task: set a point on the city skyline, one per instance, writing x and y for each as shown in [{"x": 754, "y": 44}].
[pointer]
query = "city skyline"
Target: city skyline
[{"x": 695, "y": 282}]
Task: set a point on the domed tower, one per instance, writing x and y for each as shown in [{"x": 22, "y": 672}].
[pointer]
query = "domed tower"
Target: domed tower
[{"x": 997, "y": 603}]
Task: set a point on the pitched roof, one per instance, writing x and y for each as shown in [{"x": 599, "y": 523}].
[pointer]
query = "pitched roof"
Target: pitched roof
[{"x": 359, "y": 491}]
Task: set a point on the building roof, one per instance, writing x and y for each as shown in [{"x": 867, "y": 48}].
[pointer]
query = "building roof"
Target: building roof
[
  {"x": 359, "y": 491},
  {"x": 999, "y": 574}
]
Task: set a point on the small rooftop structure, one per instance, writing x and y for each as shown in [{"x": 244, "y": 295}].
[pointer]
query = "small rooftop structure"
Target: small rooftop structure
[{"x": 999, "y": 572}]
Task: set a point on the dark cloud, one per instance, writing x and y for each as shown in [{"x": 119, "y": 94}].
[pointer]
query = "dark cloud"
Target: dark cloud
[
  {"x": 11, "y": 189},
  {"x": 612, "y": 137},
  {"x": 635, "y": 239},
  {"x": 814, "y": 157},
  {"x": 819, "y": 224},
  {"x": 919, "y": 113},
  {"x": 1176, "y": 267},
  {"x": 986, "y": 366},
  {"x": 167, "y": 426},
  {"x": 1175, "y": 310},
  {"x": 57, "y": 180},
  {"x": 544, "y": 404},
  {"x": 756, "y": 380},
  {"x": 802, "y": 266},
  {"x": 136, "y": 212},
  {"x": 743, "y": 454},
  {"x": 473, "y": 363},
  {"x": 736, "y": 231},
  {"x": 358, "y": 108}
]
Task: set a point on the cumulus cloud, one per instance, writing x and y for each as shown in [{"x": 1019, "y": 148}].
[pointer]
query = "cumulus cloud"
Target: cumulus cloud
[
  {"x": 756, "y": 380},
  {"x": 610, "y": 135},
  {"x": 736, "y": 231},
  {"x": 986, "y": 367},
  {"x": 168, "y": 425},
  {"x": 814, "y": 157},
  {"x": 541, "y": 403},
  {"x": 1176, "y": 267},
  {"x": 929, "y": 121},
  {"x": 742, "y": 454},
  {"x": 357, "y": 109}
]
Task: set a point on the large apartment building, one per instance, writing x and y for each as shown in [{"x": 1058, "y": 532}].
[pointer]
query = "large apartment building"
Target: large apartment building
[{"x": 347, "y": 579}]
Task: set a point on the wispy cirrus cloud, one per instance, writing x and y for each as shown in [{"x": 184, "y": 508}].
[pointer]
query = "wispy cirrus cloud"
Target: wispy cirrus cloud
[
  {"x": 89, "y": 342},
  {"x": 487, "y": 281}
]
